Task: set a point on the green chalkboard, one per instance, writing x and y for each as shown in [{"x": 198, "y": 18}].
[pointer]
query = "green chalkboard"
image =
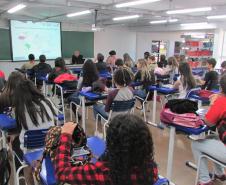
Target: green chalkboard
[
  {"x": 71, "y": 41},
  {"x": 82, "y": 41},
  {"x": 5, "y": 49}
]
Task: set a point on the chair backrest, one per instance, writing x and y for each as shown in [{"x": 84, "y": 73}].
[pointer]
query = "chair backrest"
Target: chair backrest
[
  {"x": 190, "y": 92},
  {"x": 35, "y": 138},
  {"x": 122, "y": 106}
]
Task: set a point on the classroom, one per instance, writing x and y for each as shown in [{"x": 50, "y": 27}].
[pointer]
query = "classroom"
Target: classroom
[{"x": 113, "y": 92}]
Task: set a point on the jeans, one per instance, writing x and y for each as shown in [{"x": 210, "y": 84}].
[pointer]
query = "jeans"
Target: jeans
[
  {"x": 75, "y": 98},
  {"x": 213, "y": 147},
  {"x": 98, "y": 108},
  {"x": 141, "y": 93}
]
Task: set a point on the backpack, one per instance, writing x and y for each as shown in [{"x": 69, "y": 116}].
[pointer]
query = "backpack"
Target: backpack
[
  {"x": 190, "y": 120},
  {"x": 181, "y": 106},
  {"x": 221, "y": 127},
  {"x": 52, "y": 142},
  {"x": 204, "y": 94},
  {"x": 5, "y": 169},
  {"x": 64, "y": 77}
]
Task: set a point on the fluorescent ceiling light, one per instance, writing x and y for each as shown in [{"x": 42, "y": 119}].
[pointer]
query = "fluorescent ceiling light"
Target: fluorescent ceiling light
[
  {"x": 173, "y": 20},
  {"x": 134, "y": 3},
  {"x": 191, "y": 10},
  {"x": 195, "y": 24},
  {"x": 159, "y": 22},
  {"x": 16, "y": 8},
  {"x": 79, "y": 13},
  {"x": 164, "y": 21},
  {"x": 126, "y": 17},
  {"x": 216, "y": 17}
]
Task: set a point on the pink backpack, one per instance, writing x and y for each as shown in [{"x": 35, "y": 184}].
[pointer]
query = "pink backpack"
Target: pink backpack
[{"x": 187, "y": 120}]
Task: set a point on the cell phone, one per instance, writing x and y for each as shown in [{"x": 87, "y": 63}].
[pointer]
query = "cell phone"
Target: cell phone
[{"x": 81, "y": 151}]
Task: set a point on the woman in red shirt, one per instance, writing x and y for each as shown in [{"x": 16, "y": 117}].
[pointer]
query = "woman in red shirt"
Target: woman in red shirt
[
  {"x": 213, "y": 147},
  {"x": 128, "y": 159}
]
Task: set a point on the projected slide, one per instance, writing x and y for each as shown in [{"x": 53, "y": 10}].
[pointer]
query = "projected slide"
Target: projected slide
[{"x": 35, "y": 37}]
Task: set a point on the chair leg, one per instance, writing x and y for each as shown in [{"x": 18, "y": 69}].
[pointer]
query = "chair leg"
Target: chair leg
[
  {"x": 17, "y": 180},
  {"x": 105, "y": 125},
  {"x": 144, "y": 111},
  {"x": 96, "y": 124},
  {"x": 71, "y": 112}
]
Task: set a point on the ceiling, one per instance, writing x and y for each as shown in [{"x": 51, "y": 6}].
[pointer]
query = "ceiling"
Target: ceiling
[{"x": 56, "y": 10}]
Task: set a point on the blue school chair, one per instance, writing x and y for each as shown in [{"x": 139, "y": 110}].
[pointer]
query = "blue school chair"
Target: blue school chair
[
  {"x": 116, "y": 107},
  {"x": 33, "y": 140},
  {"x": 47, "y": 174}
]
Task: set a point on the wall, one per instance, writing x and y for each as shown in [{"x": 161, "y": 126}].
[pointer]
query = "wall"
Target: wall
[
  {"x": 144, "y": 41},
  {"x": 122, "y": 41}
]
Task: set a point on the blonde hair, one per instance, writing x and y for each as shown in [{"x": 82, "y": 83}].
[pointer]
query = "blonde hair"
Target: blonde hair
[
  {"x": 173, "y": 62},
  {"x": 145, "y": 73}
]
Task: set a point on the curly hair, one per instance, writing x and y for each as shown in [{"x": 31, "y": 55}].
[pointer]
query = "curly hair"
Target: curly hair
[{"x": 130, "y": 150}]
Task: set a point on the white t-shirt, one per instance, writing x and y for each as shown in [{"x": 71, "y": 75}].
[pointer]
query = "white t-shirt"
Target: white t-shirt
[{"x": 42, "y": 125}]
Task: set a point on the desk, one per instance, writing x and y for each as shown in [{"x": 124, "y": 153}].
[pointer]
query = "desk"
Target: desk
[
  {"x": 6, "y": 123},
  {"x": 187, "y": 131},
  {"x": 106, "y": 75},
  {"x": 91, "y": 97},
  {"x": 162, "y": 90}
]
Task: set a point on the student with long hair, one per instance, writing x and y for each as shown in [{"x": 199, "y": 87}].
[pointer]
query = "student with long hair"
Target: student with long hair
[
  {"x": 88, "y": 77},
  {"x": 151, "y": 62},
  {"x": 6, "y": 95},
  {"x": 172, "y": 68},
  {"x": 32, "y": 111},
  {"x": 212, "y": 146},
  {"x": 128, "y": 159},
  {"x": 128, "y": 61},
  {"x": 186, "y": 81},
  {"x": 145, "y": 76}
]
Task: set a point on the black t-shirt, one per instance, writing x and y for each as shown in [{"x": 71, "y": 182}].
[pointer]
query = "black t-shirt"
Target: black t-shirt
[
  {"x": 77, "y": 60},
  {"x": 101, "y": 66},
  {"x": 211, "y": 80}
]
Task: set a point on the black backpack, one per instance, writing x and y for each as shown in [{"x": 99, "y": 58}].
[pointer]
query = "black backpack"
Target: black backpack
[
  {"x": 221, "y": 127},
  {"x": 5, "y": 169},
  {"x": 181, "y": 106}
]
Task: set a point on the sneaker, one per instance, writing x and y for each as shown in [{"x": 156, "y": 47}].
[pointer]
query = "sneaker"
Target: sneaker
[
  {"x": 220, "y": 177},
  {"x": 207, "y": 183}
]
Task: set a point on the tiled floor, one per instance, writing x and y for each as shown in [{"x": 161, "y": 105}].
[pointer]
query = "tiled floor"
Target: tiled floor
[{"x": 181, "y": 175}]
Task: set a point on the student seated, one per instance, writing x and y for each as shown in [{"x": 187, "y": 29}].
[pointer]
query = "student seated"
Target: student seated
[
  {"x": 172, "y": 68},
  {"x": 186, "y": 80},
  {"x": 151, "y": 63},
  {"x": 89, "y": 75},
  {"x": 60, "y": 68},
  {"x": 6, "y": 95},
  {"x": 212, "y": 146},
  {"x": 77, "y": 58},
  {"x": 128, "y": 61},
  {"x": 146, "y": 55},
  {"x": 210, "y": 81},
  {"x": 145, "y": 76},
  {"x": 223, "y": 68},
  {"x": 159, "y": 70},
  {"x": 101, "y": 65},
  {"x": 123, "y": 92},
  {"x": 30, "y": 64},
  {"x": 163, "y": 60},
  {"x": 128, "y": 159},
  {"x": 112, "y": 58},
  {"x": 32, "y": 111}
]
